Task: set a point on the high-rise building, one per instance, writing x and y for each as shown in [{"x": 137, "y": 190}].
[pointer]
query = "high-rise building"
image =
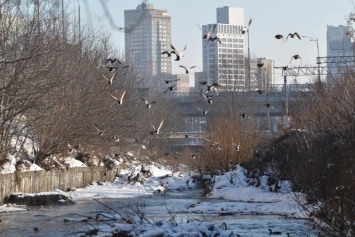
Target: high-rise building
[
  {"x": 223, "y": 62},
  {"x": 338, "y": 44},
  {"x": 147, "y": 34}
]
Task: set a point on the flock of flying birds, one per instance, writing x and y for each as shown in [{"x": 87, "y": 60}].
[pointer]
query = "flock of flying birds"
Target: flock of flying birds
[{"x": 113, "y": 64}]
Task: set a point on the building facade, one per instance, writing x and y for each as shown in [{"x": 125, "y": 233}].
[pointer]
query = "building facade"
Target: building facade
[
  {"x": 147, "y": 34},
  {"x": 261, "y": 77},
  {"x": 223, "y": 62},
  {"x": 338, "y": 44}
]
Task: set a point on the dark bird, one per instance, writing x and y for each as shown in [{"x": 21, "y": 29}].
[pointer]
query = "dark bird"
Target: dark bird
[
  {"x": 179, "y": 55},
  {"x": 269, "y": 106},
  {"x": 187, "y": 70},
  {"x": 119, "y": 100},
  {"x": 274, "y": 232},
  {"x": 243, "y": 116},
  {"x": 246, "y": 28},
  {"x": 204, "y": 112},
  {"x": 260, "y": 65},
  {"x": 280, "y": 37},
  {"x": 213, "y": 87},
  {"x": 288, "y": 234},
  {"x": 212, "y": 39},
  {"x": 207, "y": 35},
  {"x": 171, "y": 88},
  {"x": 112, "y": 64},
  {"x": 168, "y": 53},
  {"x": 156, "y": 131},
  {"x": 167, "y": 154},
  {"x": 147, "y": 103},
  {"x": 109, "y": 80},
  {"x": 101, "y": 132},
  {"x": 260, "y": 91},
  {"x": 113, "y": 60},
  {"x": 297, "y": 56},
  {"x": 293, "y": 35},
  {"x": 167, "y": 81}
]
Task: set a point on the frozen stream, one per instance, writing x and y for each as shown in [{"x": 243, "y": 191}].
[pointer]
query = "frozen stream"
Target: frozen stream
[{"x": 50, "y": 220}]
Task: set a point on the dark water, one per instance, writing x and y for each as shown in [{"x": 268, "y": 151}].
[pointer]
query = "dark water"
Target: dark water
[{"x": 50, "y": 220}]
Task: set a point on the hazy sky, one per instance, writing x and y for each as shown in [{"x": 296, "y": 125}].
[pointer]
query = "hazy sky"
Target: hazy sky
[{"x": 269, "y": 17}]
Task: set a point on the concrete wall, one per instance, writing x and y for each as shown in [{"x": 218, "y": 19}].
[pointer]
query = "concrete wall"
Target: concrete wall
[{"x": 43, "y": 181}]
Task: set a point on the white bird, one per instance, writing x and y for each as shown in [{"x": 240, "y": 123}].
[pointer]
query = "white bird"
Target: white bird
[
  {"x": 109, "y": 80},
  {"x": 207, "y": 97},
  {"x": 156, "y": 131},
  {"x": 204, "y": 112},
  {"x": 246, "y": 28},
  {"x": 147, "y": 103},
  {"x": 179, "y": 55},
  {"x": 119, "y": 100},
  {"x": 207, "y": 35},
  {"x": 187, "y": 70},
  {"x": 101, "y": 132},
  {"x": 236, "y": 147},
  {"x": 116, "y": 139}
]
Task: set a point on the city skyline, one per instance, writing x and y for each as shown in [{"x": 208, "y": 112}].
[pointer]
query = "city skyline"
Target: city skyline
[{"x": 269, "y": 18}]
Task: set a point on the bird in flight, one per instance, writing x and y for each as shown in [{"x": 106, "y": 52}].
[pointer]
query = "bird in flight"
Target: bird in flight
[
  {"x": 260, "y": 65},
  {"x": 171, "y": 88},
  {"x": 204, "y": 112},
  {"x": 297, "y": 56},
  {"x": 214, "y": 39},
  {"x": 156, "y": 131},
  {"x": 268, "y": 105},
  {"x": 187, "y": 70},
  {"x": 167, "y": 81},
  {"x": 213, "y": 87},
  {"x": 101, "y": 132},
  {"x": 119, "y": 100},
  {"x": 168, "y": 53},
  {"x": 207, "y": 35},
  {"x": 207, "y": 97},
  {"x": 109, "y": 80},
  {"x": 278, "y": 36},
  {"x": 246, "y": 28},
  {"x": 179, "y": 55},
  {"x": 147, "y": 103},
  {"x": 293, "y": 35}
]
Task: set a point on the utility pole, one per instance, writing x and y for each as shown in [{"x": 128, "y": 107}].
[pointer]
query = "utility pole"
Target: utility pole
[{"x": 318, "y": 60}]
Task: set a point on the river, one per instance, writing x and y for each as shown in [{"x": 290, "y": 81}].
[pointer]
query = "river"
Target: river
[{"x": 50, "y": 219}]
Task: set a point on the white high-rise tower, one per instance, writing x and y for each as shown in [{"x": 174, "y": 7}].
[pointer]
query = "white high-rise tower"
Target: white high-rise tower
[
  {"x": 148, "y": 33},
  {"x": 224, "y": 62}
]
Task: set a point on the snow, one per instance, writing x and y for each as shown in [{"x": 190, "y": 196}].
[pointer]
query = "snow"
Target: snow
[{"x": 233, "y": 190}]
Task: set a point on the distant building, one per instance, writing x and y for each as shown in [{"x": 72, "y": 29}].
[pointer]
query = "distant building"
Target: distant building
[
  {"x": 261, "y": 76},
  {"x": 147, "y": 34},
  {"x": 338, "y": 44},
  {"x": 224, "y": 62}
]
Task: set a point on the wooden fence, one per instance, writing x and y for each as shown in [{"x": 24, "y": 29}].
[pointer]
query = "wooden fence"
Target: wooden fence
[{"x": 43, "y": 181}]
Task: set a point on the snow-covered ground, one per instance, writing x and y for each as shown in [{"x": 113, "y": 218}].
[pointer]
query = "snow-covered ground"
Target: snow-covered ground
[{"x": 233, "y": 190}]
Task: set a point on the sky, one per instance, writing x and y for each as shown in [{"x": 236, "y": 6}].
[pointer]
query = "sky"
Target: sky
[{"x": 269, "y": 17}]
